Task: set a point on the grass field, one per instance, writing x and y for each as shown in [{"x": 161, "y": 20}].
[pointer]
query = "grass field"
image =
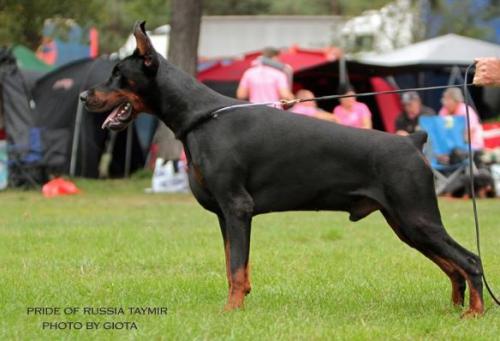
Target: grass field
[{"x": 315, "y": 276}]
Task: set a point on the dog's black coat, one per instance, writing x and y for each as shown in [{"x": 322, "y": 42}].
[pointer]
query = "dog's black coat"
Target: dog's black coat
[{"x": 254, "y": 160}]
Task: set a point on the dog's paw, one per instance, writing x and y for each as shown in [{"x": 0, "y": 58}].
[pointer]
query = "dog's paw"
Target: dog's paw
[
  {"x": 232, "y": 307},
  {"x": 472, "y": 314}
]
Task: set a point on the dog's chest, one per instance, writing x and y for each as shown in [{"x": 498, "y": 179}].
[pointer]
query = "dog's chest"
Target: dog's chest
[{"x": 199, "y": 188}]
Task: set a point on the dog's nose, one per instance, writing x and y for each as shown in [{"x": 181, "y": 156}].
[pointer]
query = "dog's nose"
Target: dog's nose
[{"x": 83, "y": 96}]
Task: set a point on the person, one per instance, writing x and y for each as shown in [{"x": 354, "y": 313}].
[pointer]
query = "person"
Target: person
[
  {"x": 352, "y": 113},
  {"x": 263, "y": 83},
  {"x": 453, "y": 104},
  {"x": 407, "y": 121},
  {"x": 310, "y": 108},
  {"x": 487, "y": 72}
]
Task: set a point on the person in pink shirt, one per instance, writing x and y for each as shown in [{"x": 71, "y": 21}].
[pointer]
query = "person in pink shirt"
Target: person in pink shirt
[
  {"x": 352, "y": 113},
  {"x": 310, "y": 108},
  {"x": 263, "y": 83},
  {"x": 453, "y": 104}
]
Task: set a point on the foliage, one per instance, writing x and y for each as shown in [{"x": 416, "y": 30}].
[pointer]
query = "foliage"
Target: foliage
[
  {"x": 22, "y": 20},
  {"x": 236, "y": 7},
  {"x": 117, "y": 17},
  {"x": 291, "y": 7},
  {"x": 465, "y": 18}
]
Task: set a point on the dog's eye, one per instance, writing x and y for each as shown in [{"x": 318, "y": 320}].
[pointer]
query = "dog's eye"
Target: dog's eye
[{"x": 116, "y": 72}]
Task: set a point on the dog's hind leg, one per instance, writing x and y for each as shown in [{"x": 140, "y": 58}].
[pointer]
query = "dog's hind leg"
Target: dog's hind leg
[
  {"x": 456, "y": 278},
  {"x": 235, "y": 224},
  {"x": 412, "y": 210},
  {"x": 428, "y": 235}
]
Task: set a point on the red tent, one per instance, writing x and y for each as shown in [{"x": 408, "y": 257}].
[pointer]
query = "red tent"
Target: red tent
[
  {"x": 298, "y": 58},
  {"x": 389, "y": 104}
]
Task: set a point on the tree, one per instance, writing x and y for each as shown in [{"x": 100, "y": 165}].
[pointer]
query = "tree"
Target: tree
[
  {"x": 22, "y": 20},
  {"x": 115, "y": 18},
  {"x": 467, "y": 18},
  {"x": 236, "y": 7},
  {"x": 182, "y": 51},
  {"x": 184, "y": 34}
]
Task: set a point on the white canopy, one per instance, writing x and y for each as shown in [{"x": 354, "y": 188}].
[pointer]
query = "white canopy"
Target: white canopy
[{"x": 448, "y": 49}]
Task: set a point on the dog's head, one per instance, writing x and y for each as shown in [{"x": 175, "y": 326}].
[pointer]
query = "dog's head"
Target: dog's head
[{"x": 125, "y": 94}]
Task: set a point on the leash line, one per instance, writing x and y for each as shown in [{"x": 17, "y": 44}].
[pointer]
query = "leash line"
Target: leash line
[
  {"x": 329, "y": 97},
  {"x": 471, "y": 175},
  {"x": 373, "y": 93}
]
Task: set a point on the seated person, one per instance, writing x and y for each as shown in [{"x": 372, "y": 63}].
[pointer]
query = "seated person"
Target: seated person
[
  {"x": 310, "y": 108},
  {"x": 453, "y": 104},
  {"x": 352, "y": 113},
  {"x": 407, "y": 121}
]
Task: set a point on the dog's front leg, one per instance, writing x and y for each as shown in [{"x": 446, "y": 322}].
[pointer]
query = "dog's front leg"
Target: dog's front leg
[
  {"x": 236, "y": 227},
  {"x": 222, "y": 224}
]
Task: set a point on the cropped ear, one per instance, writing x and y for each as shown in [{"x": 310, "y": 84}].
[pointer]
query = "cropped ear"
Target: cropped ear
[{"x": 145, "y": 48}]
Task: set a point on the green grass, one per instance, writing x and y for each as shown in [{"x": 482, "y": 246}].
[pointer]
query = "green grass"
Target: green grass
[{"x": 315, "y": 276}]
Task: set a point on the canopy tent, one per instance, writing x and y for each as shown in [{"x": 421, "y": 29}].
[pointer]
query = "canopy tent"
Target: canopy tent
[
  {"x": 16, "y": 105},
  {"x": 224, "y": 76},
  {"x": 441, "y": 60},
  {"x": 450, "y": 49},
  {"x": 298, "y": 58},
  {"x": 30, "y": 66},
  {"x": 28, "y": 61},
  {"x": 319, "y": 70},
  {"x": 46, "y": 105},
  {"x": 324, "y": 79}
]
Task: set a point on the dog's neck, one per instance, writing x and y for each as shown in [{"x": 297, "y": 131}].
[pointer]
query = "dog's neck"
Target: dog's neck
[{"x": 179, "y": 100}]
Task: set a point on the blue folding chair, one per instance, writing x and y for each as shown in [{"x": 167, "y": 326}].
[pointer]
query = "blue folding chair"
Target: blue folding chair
[
  {"x": 446, "y": 134},
  {"x": 26, "y": 161}
]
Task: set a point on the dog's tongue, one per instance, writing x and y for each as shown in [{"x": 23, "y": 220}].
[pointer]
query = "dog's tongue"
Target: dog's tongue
[{"x": 110, "y": 117}]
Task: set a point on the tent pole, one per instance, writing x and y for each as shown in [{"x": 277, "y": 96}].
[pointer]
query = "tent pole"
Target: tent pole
[
  {"x": 76, "y": 138},
  {"x": 128, "y": 150},
  {"x": 343, "y": 79},
  {"x": 455, "y": 75},
  {"x": 420, "y": 82}
]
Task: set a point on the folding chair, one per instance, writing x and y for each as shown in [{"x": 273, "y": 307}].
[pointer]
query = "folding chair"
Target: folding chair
[
  {"x": 446, "y": 134},
  {"x": 26, "y": 161}
]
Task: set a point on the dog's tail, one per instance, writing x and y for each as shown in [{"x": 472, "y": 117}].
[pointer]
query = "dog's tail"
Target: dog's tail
[{"x": 418, "y": 138}]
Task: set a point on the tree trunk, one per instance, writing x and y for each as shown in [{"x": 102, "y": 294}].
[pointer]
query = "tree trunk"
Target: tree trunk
[
  {"x": 184, "y": 34},
  {"x": 336, "y": 8},
  {"x": 185, "y": 23}
]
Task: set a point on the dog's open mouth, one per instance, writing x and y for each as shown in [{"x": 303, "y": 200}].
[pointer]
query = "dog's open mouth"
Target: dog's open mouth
[{"x": 119, "y": 118}]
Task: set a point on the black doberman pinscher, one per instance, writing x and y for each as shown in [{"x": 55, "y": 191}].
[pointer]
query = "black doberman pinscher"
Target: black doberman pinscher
[{"x": 254, "y": 160}]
